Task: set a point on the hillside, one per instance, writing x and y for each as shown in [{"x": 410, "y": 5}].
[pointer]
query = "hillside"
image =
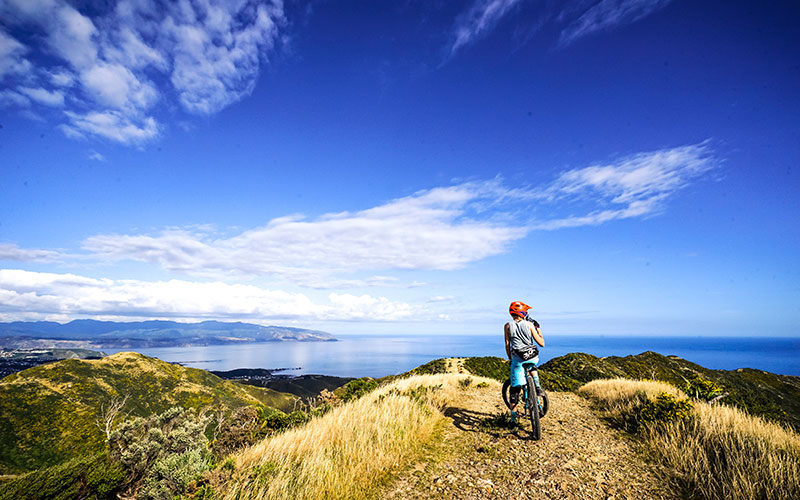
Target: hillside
[
  {"x": 98, "y": 334},
  {"x": 767, "y": 395},
  {"x": 438, "y": 431},
  {"x": 48, "y": 413}
]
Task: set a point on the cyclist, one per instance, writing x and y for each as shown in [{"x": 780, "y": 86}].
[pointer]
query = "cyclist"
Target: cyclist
[{"x": 521, "y": 336}]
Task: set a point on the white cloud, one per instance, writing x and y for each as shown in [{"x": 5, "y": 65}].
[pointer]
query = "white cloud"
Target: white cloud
[
  {"x": 33, "y": 295},
  {"x": 478, "y": 20},
  {"x": 9, "y": 251},
  {"x": 608, "y": 14},
  {"x": 635, "y": 186},
  {"x": 115, "y": 86},
  {"x": 71, "y": 35},
  {"x": 442, "y": 298},
  {"x": 444, "y": 228},
  {"x": 62, "y": 78},
  {"x": 94, "y": 155},
  {"x": 43, "y": 96},
  {"x": 574, "y": 19},
  {"x": 12, "y": 60},
  {"x": 428, "y": 230},
  {"x": 11, "y": 98},
  {"x": 111, "y": 125},
  {"x": 215, "y": 63},
  {"x": 114, "y": 66}
]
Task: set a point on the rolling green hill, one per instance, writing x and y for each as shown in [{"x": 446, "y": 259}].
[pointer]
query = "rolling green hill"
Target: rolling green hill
[{"x": 49, "y": 413}]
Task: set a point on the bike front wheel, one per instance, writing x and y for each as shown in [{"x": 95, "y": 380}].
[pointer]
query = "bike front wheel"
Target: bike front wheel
[{"x": 533, "y": 410}]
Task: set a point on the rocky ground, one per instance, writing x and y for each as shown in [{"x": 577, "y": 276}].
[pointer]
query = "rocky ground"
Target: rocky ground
[{"x": 578, "y": 457}]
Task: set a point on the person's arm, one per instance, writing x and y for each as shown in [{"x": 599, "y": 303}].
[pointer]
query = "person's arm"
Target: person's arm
[
  {"x": 508, "y": 342},
  {"x": 537, "y": 333}
]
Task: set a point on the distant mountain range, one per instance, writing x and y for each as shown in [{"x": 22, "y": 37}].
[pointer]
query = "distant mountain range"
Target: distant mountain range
[{"x": 91, "y": 334}]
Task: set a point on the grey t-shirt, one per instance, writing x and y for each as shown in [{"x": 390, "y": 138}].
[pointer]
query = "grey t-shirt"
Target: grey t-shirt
[{"x": 519, "y": 334}]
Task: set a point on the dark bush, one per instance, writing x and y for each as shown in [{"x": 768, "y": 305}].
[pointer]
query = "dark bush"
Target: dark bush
[
  {"x": 666, "y": 408},
  {"x": 87, "y": 478},
  {"x": 163, "y": 453},
  {"x": 699, "y": 388},
  {"x": 239, "y": 430},
  {"x": 357, "y": 388},
  {"x": 431, "y": 368},
  {"x": 488, "y": 366}
]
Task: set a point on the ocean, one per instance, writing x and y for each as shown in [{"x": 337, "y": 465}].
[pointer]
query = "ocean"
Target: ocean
[{"x": 377, "y": 356}]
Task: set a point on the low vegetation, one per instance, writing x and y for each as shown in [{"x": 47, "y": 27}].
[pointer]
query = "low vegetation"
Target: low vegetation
[
  {"x": 327, "y": 458},
  {"x": 94, "y": 477},
  {"x": 434, "y": 367},
  {"x": 716, "y": 452},
  {"x": 488, "y": 366}
]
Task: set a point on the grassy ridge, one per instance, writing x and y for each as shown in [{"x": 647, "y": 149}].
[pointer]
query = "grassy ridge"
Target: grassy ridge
[
  {"x": 715, "y": 452},
  {"x": 49, "y": 413}
]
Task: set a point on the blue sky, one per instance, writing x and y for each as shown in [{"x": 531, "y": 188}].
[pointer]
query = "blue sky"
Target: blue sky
[{"x": 625, "y": 167}]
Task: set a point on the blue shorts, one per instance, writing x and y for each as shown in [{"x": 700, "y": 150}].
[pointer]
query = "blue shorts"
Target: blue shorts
[{"x": 518, "y": 369}]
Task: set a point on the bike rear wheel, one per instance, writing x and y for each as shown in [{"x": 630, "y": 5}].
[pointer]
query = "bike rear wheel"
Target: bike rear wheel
[{"x": 544, "y": 401}]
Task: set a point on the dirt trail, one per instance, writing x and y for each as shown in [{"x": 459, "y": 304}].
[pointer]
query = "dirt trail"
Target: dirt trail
[{"x": 578, "y": 457}]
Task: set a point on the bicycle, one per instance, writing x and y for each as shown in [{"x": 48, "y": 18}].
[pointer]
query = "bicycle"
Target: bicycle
[{"x": 536, "y": 402}]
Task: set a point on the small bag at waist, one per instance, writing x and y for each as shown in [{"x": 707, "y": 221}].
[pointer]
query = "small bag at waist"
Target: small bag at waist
[{"x": 528, "y": 352}]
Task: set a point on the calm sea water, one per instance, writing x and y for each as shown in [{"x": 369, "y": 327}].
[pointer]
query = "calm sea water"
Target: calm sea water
[{"x": 376, "y": 356}]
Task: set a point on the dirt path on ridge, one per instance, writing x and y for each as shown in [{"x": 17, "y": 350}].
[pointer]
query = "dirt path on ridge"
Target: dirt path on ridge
[{"x": 579, "y": 457}]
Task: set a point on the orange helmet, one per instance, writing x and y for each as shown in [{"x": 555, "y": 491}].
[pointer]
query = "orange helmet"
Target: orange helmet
[{"x": 519, "y": 309}]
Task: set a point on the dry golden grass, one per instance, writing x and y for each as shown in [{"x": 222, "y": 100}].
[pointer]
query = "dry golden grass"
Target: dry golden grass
[
  {"x": 346, "y": 452},
  {"x": 721, "y": 453},
  {"x": 614, "y": 392}
]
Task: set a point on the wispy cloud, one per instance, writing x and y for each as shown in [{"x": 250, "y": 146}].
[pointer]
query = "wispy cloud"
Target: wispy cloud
[
  {"x": 94, "y": 155},
  {"x": 480, "y": 19},
  {"x": 574, "y": 19},
  {"x": 108, "y": 70},
  {"x": 634, "y": 186},
  {"x": 609, "y": 14},
  {"x": 431, "y": 229},
  {"x": 26, "y": 295},
  {"x": 441, "y": 229},
  {"x": 12, "y": 252},
  {"x": 444, "y": 228}
]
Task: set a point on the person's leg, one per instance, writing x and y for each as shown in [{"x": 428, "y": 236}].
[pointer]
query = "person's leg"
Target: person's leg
[
  {"x": 517, "y": 382},
  {"x": 533, "y": 364}
]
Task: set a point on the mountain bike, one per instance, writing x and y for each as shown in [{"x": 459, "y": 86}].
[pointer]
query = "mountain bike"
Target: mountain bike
[{"x": 536, "y": 402}]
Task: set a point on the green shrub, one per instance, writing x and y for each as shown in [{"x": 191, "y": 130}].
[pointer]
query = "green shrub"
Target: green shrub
[
  {"x": 357, "y": 388},
  {"x": 88, "y": 478},
  {"x": 700, "y": 388},
  {"x": 431, "y": 368},
  {"x": 162, "y": 453},
  {"x": 173, "y": 473},
  {"x": 488, "y": 366},
  {"x": 482, "y": 385},
  {"x": 665, "y": 408},
  {"x": 248, "y": 425},
  {"x": 280, "y": 421},
  {"x": 239, "y": 430}
]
